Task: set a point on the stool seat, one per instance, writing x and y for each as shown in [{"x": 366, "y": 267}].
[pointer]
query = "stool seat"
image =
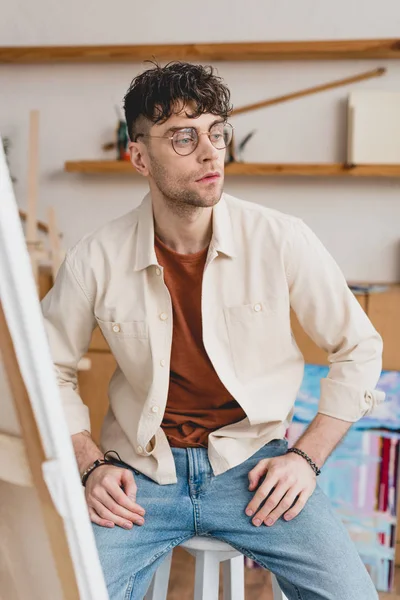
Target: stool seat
[{"x": 206, "y": 543}]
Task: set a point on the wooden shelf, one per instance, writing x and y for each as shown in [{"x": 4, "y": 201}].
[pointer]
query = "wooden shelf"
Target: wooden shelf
[
  {"x": 237, "y": 51},
  {"x": 95, "y": 167}
]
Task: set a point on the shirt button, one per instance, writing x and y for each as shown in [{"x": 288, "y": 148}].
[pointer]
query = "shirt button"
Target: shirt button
[
  {"x": 116, "y": 328},
  {"x": 154, "y": 409},
  {"x": 163, "y": 316},
  {"x": 158, "y": 271},
  {"x": 162, "y": 362},
  {"x": 139, "y": 449},
  {"x": 257, "y": 307}
]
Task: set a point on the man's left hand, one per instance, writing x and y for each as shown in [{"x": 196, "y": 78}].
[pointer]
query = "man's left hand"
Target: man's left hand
[{"x": 290, "y": 479}]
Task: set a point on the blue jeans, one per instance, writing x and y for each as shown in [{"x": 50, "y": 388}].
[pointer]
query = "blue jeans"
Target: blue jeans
[{"x": 312, "y": 556}]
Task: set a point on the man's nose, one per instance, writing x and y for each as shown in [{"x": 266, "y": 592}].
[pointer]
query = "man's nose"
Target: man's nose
[{"x": 206, "y": 151}]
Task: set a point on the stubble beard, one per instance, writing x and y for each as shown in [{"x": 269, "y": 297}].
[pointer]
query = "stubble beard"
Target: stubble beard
[{"x": 179, "y": 198}]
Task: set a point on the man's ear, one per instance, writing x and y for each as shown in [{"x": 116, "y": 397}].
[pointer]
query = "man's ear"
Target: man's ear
[{"x": 138, "y": 158}]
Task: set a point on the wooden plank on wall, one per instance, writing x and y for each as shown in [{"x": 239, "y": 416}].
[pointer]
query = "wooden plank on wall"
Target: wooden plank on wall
[
  {"x": 124, "y": 167},
  {"x": 231, "y": 51}
]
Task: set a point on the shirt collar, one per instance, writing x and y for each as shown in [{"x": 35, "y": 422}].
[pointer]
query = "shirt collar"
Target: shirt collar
[
  {"x": 145, "y": 253},
  {"x": 222, "y": 238}
]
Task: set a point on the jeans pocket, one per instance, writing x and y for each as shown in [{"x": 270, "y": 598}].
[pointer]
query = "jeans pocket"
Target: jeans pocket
[
  {"x": 275, "y": 447},
  {"x": 277, "y": 442}
]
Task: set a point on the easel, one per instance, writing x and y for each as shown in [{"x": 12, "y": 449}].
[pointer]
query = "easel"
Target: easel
[
  {"x": 41, "y": 453},
  {"x": 22, "y": 459},
  {"x": 37, "y": 252}
]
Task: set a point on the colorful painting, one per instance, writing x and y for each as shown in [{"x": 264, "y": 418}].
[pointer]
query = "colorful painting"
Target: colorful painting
[
  {"x": 384, "y": 416},
  {"x": 361, "y": 475}
]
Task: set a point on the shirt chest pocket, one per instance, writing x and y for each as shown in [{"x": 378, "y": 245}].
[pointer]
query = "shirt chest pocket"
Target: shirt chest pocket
[
  {"x": 129, "y": 343},
  {"x": 259, "y": 338},
  {"x": 114, "y": 330}
]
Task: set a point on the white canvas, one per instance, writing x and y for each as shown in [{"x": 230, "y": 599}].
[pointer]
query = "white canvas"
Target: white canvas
[
  {"x": 374, "y": 127},
  {"x": 24, "y": 318}
]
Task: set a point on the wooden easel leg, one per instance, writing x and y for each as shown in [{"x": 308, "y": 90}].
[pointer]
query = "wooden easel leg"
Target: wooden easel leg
[{"x": 36, "y": 457}]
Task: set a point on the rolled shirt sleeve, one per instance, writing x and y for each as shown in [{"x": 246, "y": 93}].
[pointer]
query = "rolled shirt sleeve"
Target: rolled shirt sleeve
[
  {"x": 69, "y": 322},
  {"x": 333, "y": 318}
]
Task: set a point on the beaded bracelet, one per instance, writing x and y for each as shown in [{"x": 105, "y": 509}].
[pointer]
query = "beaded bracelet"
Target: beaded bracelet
[
  {"x": 312, "y": 464},
  {"x": 93, "y": 466},
  {"x": 104, "y": 461}
]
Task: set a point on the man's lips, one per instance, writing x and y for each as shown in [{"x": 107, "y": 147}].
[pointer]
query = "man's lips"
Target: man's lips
[{"x": 210, "y": 176}]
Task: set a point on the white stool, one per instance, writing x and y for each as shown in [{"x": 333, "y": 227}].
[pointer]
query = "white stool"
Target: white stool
[{"x": 209, "y": 553}]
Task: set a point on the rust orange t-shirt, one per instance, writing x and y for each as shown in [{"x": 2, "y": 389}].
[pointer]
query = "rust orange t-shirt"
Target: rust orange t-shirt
[{"x": 198, "y": 402}]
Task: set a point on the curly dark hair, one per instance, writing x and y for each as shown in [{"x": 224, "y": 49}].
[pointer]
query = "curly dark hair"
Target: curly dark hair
[{"x": 155, "y": 94}]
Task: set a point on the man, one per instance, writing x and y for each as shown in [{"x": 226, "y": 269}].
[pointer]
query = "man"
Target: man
[{"x": 192, "y": 291}]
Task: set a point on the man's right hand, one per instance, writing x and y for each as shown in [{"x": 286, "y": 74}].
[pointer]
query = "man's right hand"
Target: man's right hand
[{"x": 111, "y": 497}]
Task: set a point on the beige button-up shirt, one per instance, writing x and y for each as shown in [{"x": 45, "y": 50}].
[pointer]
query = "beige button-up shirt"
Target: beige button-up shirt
[{"x": 260, "y": 263}]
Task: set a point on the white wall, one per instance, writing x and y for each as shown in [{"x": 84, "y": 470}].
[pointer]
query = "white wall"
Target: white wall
[{"x": 359, "y": 221}]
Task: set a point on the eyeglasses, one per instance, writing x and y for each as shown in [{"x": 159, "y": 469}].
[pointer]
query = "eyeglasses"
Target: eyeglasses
[{"x": 185, "y": 141}]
